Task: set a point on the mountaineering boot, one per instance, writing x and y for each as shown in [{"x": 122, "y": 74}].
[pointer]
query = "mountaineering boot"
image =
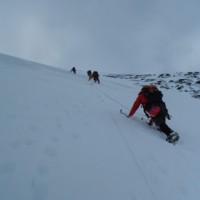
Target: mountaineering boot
[{"x": 173, "y": 137}]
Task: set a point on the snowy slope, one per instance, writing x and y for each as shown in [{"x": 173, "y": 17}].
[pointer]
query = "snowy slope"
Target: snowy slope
[{"x": 63, "y": 137}]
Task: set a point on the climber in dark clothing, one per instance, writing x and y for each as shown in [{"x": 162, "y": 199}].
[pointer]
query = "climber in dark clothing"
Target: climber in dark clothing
[
  {"x": 151, "y": 100},
  {"x": 73, "y": 70},
  {"x": 95, "y": 77}
]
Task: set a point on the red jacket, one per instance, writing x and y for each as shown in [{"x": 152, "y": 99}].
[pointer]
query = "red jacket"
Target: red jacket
[{"x": 141, "y": 100}]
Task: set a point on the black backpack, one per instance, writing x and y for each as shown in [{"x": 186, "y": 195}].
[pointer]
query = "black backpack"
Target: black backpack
[
  {"x": 154, "y": 97},
  {"x": 95, "y": 74}
]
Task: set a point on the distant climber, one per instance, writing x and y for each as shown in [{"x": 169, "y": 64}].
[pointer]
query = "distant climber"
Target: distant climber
[
  {"x": 73, "y": 70},
  {"x": 95, "y": 77},
  {"x": 89, "y": 73}
]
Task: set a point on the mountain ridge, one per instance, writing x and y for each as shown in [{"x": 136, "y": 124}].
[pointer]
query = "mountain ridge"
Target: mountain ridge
[{"x": 188, "y": 82}]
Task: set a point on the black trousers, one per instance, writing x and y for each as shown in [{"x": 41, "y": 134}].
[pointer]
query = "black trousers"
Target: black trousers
[
  {"x": 96, "y": 79},
  {"x": 160, "y": 121}
]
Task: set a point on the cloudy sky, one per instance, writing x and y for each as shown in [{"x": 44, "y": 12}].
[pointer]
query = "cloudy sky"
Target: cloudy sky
[{"x": 114, "y": 36}]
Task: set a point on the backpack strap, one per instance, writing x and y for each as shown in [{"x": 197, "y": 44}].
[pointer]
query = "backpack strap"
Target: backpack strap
[{"x": 145, "y": 112}]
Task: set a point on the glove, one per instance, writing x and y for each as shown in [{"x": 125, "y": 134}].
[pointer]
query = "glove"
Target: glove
[
  {"x": 169, "y": 116},
  {"x": 128, "y": 116}
]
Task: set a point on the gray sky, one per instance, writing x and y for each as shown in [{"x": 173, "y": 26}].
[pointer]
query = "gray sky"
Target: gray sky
[{"x": 114, "y": 36}]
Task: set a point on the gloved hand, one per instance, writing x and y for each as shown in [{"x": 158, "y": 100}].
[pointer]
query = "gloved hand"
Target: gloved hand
[
  {"x": 128, "y": 116},
  {"x": 169, "y": 116}
]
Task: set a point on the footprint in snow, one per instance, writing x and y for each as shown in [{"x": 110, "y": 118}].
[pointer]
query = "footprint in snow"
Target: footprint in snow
[
  {"x": 51, "y": 151},
  {"x": 29, "y": 141},
  {"x": 42, "y": 169},
  {"x": 59, "y": 126},
  {"x": 54, "y": 139}
]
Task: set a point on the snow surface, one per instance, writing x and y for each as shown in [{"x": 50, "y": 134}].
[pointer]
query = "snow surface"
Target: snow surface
[{"x": 63, "y": 138}]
